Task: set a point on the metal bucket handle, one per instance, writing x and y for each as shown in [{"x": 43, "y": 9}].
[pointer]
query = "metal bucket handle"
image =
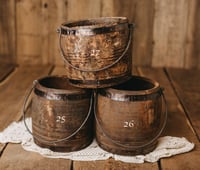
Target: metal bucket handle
[
  {"x": 100, "y": 69},
  {"x": 59, "y": 140},
  {"x": 126, "y": 146}
]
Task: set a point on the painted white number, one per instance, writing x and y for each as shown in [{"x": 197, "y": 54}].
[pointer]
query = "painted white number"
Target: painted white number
[
  {"x": 60, "y": 119},
  {"x": 129, "y": 124}
]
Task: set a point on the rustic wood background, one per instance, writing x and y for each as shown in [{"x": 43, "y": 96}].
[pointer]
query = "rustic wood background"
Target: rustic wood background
[{"x": 167, "y": 32}]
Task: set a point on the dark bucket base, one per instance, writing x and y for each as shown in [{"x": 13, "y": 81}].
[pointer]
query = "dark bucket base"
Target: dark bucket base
[
  {"x": 128, "y": 152},
  {"x": 67, "y": 148},
  {"x": 99, "y": 83}
]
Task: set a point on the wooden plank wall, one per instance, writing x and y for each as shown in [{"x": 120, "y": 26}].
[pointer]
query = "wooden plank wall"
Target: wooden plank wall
[
  {"x": 167, "y": 32},
  {"x": 7, "y": 32}
]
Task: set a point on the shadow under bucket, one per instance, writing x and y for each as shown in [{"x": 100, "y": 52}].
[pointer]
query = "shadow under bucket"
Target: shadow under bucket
[
  {"x": 61, "y": 115},
  {"x": 97, "y": 52},
  {"x": 130, "y": 117}
]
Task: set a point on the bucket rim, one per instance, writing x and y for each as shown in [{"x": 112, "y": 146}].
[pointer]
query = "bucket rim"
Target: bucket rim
[
  {"x": 95, "y": 26},
  {"x": 129, "y": 95},
  {"x": 72, "y": 90},
  {"x": 99, "y": 23}
]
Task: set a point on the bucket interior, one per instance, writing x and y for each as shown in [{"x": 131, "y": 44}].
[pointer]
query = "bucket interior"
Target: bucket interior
[
  {"x": 56, "y": 83},
  {"x": 136, "y": 84},
  {"x": 107, "y": 21}
]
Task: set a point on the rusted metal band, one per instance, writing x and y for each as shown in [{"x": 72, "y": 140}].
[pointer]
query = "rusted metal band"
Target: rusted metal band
[
  {"x": 54, "y": 96},
  {"x": 125, "y": 97},
  {"x": 162, "y": 124},
  {"x": 64, "y": 57},
  {"x": 35, "y": 82}
]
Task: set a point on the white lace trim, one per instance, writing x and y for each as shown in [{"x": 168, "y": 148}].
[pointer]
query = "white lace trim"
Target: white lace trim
[{"x": 167, "y": 146}]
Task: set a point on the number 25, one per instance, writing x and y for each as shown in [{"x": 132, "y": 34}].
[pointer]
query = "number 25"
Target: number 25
[{"x": 60, "y": 119}]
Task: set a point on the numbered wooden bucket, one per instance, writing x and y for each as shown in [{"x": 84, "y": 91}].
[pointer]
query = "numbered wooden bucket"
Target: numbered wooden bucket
[
  {"x": 97, "y": 52},
  {"x": 130, "y": 117},
  {"x": 61, "y": 115}
]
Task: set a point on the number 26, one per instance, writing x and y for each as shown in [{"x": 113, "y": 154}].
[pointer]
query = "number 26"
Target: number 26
[{"x": 129, "y": 124}]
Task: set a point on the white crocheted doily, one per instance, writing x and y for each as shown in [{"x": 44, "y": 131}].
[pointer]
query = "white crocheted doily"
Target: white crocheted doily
[{"x": 167, "y": 146}]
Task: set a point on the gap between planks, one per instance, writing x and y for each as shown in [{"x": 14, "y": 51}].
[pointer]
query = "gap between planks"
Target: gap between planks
[
  {"x": 176, "y": 124},
  {"x": 181, "y": 106}
]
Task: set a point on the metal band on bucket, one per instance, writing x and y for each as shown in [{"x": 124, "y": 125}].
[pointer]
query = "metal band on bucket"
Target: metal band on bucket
[
  {"x": 64, "y": 57},
  {"x": 35, "y": 82}
]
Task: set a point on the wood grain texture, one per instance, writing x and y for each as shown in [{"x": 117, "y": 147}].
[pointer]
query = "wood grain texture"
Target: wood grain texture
[
  {"x": 5, "y": 70},
  {"x": 143, "y": 35},
  {"x": 170, "y": 27},
  {"x": 13, "y": 90},
  {"x": 14, "y": 157},
  {"x": 167, "y": 33},
  {"x": 196, "y": 52},
  {"x": 29, "y": 25},
  {"x": 141, "y": 13},
  {"x": 191, "y": 33},
  {"x": 187, "y": 87},
  {"x": 57, "y": 14},
  {"x": 111, "y": 164},
  {"x": 83, "y": 9},
  {"x": 177, "y": 124},
  {"x": 7, "y": 31}
]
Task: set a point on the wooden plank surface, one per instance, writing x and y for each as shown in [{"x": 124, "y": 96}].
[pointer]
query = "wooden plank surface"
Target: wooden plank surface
[
  {"x": 57, "y": 14},
  {"x": 187, "y": 87},
  {"x": 177, "y": 124},
  {"x": 7, "y": 32},
  {"x": 140, "y": 13},
  {"x": 14, "y": 157},
  {"x": 13, "y": 90},
  {"x": 111, "y": 163},
  {"x": 170, "y": 27},
  {"x": 143, "y": 33},
  {"x": 30, "y": 27},
  {"x": 5, "y": 70},
  {"x": 166, "y": 34}
]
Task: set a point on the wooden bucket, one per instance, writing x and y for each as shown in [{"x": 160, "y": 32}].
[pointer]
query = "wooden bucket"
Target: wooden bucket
[
  {"x": 97, "y": 52},
  {"x": 61, "y": 115},
  {"x": 130, "y": 117}
]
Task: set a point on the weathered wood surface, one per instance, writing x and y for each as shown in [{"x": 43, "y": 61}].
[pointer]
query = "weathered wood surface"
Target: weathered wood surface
[
  {"x": 14, "y": 157},
  {"x": 5, "y": 70},
  {"x": 186, "y": 84},
  {"x": 13, "y": 90},
  {"x": 177, "y": 123},
  {"x": 111, "y": 163},
  {"x": 7, "y": 32},
  {"x": 167, "y": 32}
]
